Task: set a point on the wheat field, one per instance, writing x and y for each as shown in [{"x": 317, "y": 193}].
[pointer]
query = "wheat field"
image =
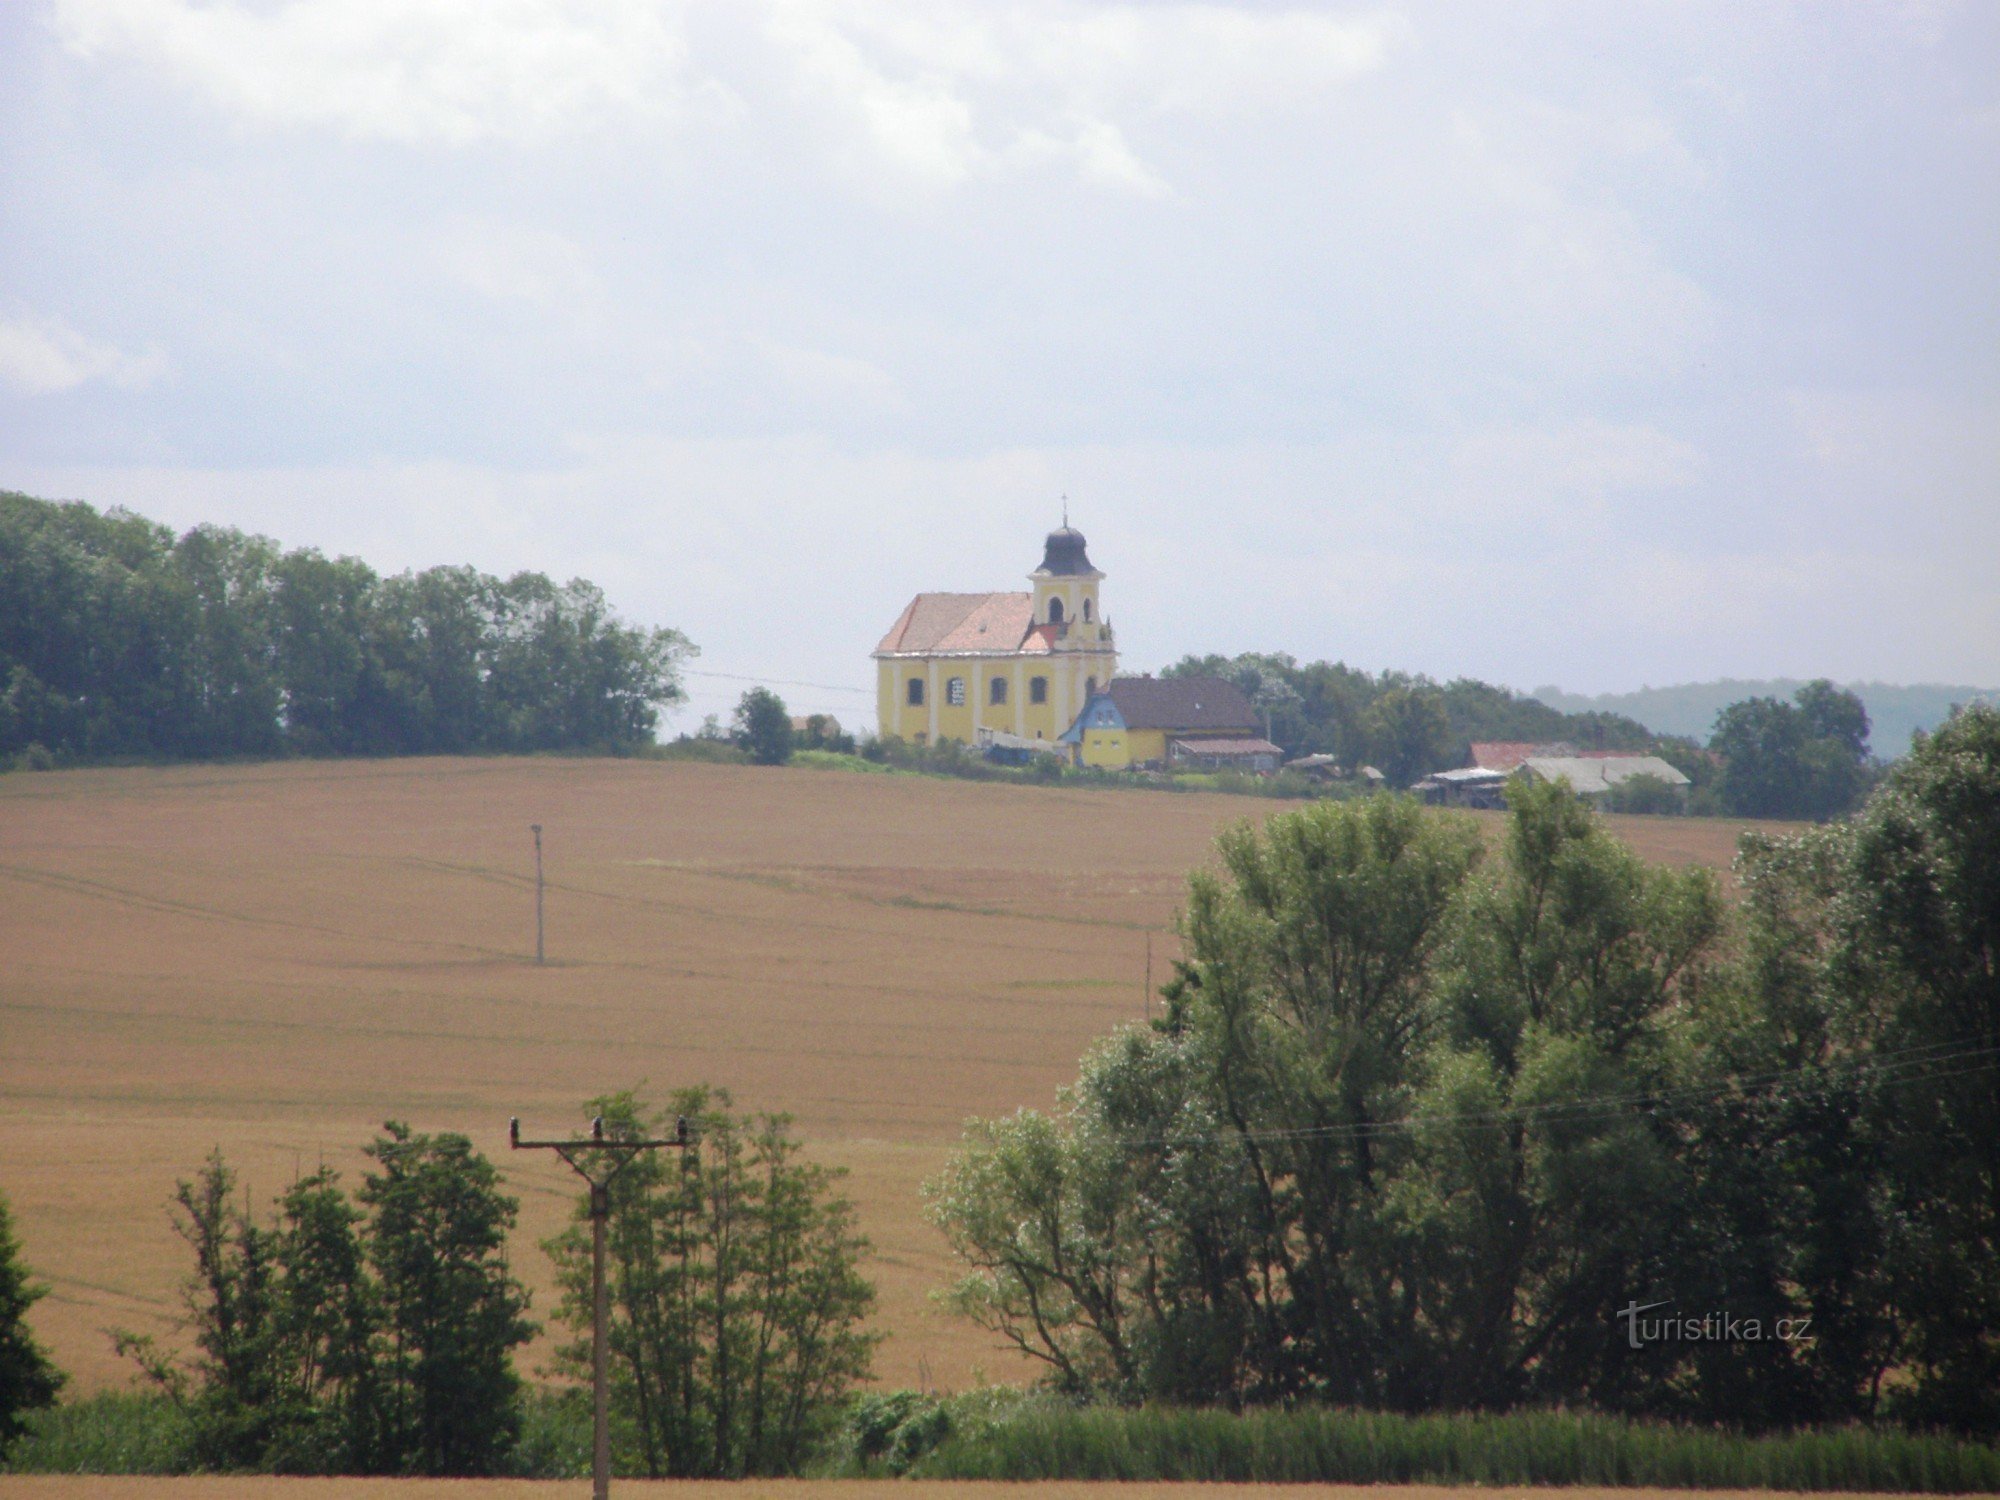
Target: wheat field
[{"x": 273, "y": 959}]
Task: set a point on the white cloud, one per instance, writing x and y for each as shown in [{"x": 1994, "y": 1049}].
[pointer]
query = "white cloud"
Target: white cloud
[
  {"x": 1570, "y": 271},
  {"x": 455, "y": 71},
  {"x": 41, "y": 356},
  {"x": 516, "y": 263},
  {"x": 950, "y": 92}
]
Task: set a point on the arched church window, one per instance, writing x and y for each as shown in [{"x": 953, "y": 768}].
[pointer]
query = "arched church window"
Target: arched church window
[
  {"x": 997, "y": 693},
  {"x": 1089, "y": 683},
  {"x": 954, "y": 692},
  {"x": 1086, "y": 611},
  {"x": 1038, "y": 690},
  {"x": 1055, "y": 612},
  {"x": 916, "y": 698}
]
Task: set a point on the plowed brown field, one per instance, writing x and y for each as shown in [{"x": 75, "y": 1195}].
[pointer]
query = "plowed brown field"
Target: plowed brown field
[{"x": 273, "y": 959}]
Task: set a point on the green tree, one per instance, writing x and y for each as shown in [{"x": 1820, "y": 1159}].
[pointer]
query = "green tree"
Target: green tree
[
  {"x": 29, "y": 1380},
  {"x": 1918, "y": 939},
  {"x": 764, "y": 727},
  {"x": 1205, "y": 1217},
  {"x": 737, "y": 1296},
  {"x": 452, "y": 1311},
  {"x": 1805, "y": 759},
  {"x": 232, "y": 1387},
  {"x": 1408, "y": 733}
]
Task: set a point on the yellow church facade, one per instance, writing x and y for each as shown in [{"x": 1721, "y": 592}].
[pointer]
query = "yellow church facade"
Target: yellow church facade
[{"x": 1021, "y": 664}]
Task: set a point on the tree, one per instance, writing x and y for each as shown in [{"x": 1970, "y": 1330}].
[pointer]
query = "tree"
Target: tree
[
  {"x": 1917, "y": 932},
  {"x": 1805, "y": 759},
  {"x": 1391, "y": 1145},
  {"x": 1408, "y": 733},
  {"x": 452, "y": 1312},
  {"x": 116, "y": 638},
  {"x": 764, "y": 727},
  {"x": 29, "y": 1380},
  {"x": 329, "y": 1341},
  {"x": 737, "y": 1297},
  {"x": 1203, "y": 1218}
]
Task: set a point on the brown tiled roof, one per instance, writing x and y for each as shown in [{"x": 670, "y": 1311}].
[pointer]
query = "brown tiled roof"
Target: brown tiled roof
[
  {"x": 1182, "y": 703},
  {"x": 1507, "y": 755},
  {"x": 947, "y": 624}
]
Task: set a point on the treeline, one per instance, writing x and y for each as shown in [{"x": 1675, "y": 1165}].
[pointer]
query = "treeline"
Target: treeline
[
  {"x": 120, "y": 640},
  {"x": 1428, "y": 1128},
  {"x": 1765, "y": 757},
  {"x": 376, "y": 1331},
  {"x": 1405, "y": 724}
]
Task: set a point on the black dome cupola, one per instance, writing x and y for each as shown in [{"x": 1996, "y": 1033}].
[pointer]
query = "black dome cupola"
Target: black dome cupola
[{"x": 1063, "y": 555}]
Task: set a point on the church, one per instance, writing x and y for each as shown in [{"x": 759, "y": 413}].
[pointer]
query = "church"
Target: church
[{"x": 1022, "y": 664}]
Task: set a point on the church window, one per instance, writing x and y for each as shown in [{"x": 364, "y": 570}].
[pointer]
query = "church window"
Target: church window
[
  {"x": 1038, "y": 689},
  {"x": 1086, "y": 611},
  {"x": 954, "y": 692},
  {"x": 916, "y": 692},
  {"x": 1089, "y": 686},
  {"x": 996, "y": 694},
  {"x": 1055, "y": 612}
]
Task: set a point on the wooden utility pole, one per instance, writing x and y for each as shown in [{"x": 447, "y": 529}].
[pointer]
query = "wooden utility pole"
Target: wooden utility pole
[
  {"x": 1149, "y": 974},
  {"x": 537, "y": 829},
  {"x": 591, "y": 1168}
]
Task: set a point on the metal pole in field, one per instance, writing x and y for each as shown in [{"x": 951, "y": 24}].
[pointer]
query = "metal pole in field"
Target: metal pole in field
[
  {"x": 620, "y": 1153},
  {"x": 538, "y": 891}
]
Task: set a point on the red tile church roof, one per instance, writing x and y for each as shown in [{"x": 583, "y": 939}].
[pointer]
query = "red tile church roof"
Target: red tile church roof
[{"x": 967, "y": 624}]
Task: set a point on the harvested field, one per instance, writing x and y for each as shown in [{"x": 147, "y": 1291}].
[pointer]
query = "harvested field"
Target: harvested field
[
  {"x": 212, "y": 1487},
  {"x": 273, "y": 959}
]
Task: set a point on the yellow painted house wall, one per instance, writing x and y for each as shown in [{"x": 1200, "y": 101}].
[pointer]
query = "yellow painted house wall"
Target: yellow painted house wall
[
  {"x": 1116, "y": 749},
  {"x": 938, "y": 719}
]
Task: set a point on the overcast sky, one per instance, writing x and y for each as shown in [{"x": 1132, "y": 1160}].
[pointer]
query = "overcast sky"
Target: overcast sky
[{"x": 1598, "y": 344}]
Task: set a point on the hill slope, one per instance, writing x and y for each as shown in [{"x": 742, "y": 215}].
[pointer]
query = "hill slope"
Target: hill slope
[{"x": 1896, "y": 712}]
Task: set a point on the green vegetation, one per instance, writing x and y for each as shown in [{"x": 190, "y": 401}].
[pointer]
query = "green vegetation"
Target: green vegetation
[
  {"x": 119, "y": 640},
  {"x": 28, "y": 1380},
  {"x": 737, "y": 1299},
  {"x": 977, "y": 1438},
  {"x": 1804, "y": 759},
  {"x": 1689, "y": 709},
  {"x": 112, "y": 1432},
  {"x": 1422, "y": 1128},
  {"x": 1405, "y": 725},
  {"x": 368, "y": 1335},
  {"x": 763, "y": 728}
]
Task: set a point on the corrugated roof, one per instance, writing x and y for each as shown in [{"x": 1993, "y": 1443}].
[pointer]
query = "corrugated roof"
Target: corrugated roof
[
  {"x": 1589, "y": 775},
  {"x": 964, "y": 624},
  {"x": 1227, "y": 747},
  {"x": 1178, "y": 703},
  {"x": 1507, "y": 755}
]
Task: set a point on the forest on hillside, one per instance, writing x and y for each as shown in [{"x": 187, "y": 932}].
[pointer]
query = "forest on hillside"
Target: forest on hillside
[
  {"x": 120, "y": 640},
  {"x": 1897, "y": 711}
]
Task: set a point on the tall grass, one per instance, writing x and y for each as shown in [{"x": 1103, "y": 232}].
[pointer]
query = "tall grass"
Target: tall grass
[
  {"x": 1043, "y": 1441},
  {"x": 114, "y": 1432}
]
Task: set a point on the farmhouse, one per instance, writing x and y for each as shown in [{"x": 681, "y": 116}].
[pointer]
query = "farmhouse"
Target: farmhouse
[
  {"x": 1017, "y": 664},
  {"x": 1594, "y": 775},
  {"x": 1155, "y": 721}
]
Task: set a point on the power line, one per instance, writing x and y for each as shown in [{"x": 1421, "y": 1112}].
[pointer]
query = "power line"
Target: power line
[{"x": 824, "y": 687}]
